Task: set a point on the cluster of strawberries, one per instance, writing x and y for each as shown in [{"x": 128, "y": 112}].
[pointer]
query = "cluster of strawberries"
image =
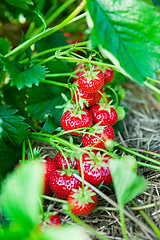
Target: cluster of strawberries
[{"x": 89, "y": 113}]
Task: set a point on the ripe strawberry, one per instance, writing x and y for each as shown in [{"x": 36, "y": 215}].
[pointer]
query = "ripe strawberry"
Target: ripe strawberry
[
  {"x": 94, "y": 136},
  {"x": 50, "y": 166},
  {"x": 52, "y": 221},
  {"x": 82, "y": 202},
  {"x": 74, "y": 119},
  {"x": 62, "y": 183},
  {"x": 96, "y": 169},
  {"x": 108, "y": 75},
  {"x": 91, "y": 80},
  {"x": 91, "y": 98},
  {"x": 104, "y": 113},
  {"x": 79, "y": 69},
  {"x": 62, "y": 163}
]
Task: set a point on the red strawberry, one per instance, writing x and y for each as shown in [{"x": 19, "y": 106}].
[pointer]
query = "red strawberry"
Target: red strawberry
[
  {"x": 108, "y": 75},
  {"x": 94, "y": 136},
  {"x": 62, "y": 183},
  {"x": 82, "y": 202},
  {"x": 74, "y": 119},
  {"x": 96, "y": 169},
  {"x": 53, "y": 220},
  {"x": 50, "y": 166},
  {"x": 62, "y": 163},
  {"x": 91, "y": 80},
  {"x": 79, "y": 69},
  {"x": 91, "y": 98},
  {"x": 104, "y": 113}
]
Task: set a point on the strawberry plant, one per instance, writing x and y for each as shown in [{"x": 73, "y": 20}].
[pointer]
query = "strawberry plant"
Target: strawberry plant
[{"x": 64, "y": 68}]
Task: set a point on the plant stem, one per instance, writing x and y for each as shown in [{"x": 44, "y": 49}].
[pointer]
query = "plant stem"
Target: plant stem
[
  {"x": 121, "y": 209},
  {"x": 147, "y": 152},
  {"x": 53, "y": 199},
  {"x": 47, "y": 32},
  {"x": 53, "y": 50},
  {"x": 30, "y": 148},
  {"x": 152, "y": 87},
  {"x": 55, "y": 83},
  {"x": 23, "y": 151},
  {"x": 53, "y": 16},
  {"x": 148, "y": 165},
  {"x": 60, "y": 75},
  {"x": 148, "y": 220},
  {"x": 138, "y": 154},
  {"x": 81, "y": 223}
]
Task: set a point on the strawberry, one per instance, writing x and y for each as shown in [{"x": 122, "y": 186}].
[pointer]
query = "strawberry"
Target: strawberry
[
  {"x": 50, "y": 166},
  {"x": 108, "y": 75},
  {"x": 62, "y": 162},
  {"x": 52, "y": 221},
  {"x": 75, "y": 118},
  {"x": 91, "y": 98},
  {"x": 91, "y": 80},
  {"x": 104, "y": 113},
  {"x": 94, "y": 136},
  {"x": 62, "y": 183},
  {"x": 82, "y": 202},
  {"x": 96, "y": 169}
]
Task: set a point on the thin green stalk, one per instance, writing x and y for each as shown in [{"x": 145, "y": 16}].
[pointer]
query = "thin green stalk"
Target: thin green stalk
[
  {"x": 30, "y": 148},
  {"x": 138, "y": 154},
  {"x": 23, "y": 151},
  {"x": 151, "y": 205},
  {"x": 156, "y": 81},
  {"x": 148, "y": 220},
  {"x": 147, "y": 152},
  {"x": 53, "y": 50},
  {"x": 47, "y": 32},
  {"x": 81, "y": 223},
  {"x": 152, "y": 87},
  {"x": 53, "y": 16},
  {"x": 82, "y": 173},
  {"x": 148, "y": 165},
  {"x": 54, "y": 83},
  {"x": 123, "y": 227},
  {"x": 53, "y": 199},
  {"x": 60, "y": 75}
]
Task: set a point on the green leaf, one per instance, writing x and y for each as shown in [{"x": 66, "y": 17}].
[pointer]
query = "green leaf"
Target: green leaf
[
  {"x": 20, "y": 195},
  {"x": 22, "y": 78},
  {"x": 127, "y": 184},
  {"x": 42, "y": 101},
  {"x": 66, "y": 232},
  {"x": 156, "y": 2},
  {"x": 5, "y": 45},
  {"x": 123, "y": 31},
  {"x": 20, "y": 3},
  {"x": 13, "y": 134},
  {"x": 49, "y": 125}
]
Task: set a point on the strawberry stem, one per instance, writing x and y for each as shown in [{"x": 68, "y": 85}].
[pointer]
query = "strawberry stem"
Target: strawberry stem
[
  {"x": 114, "y": 94},
  {"x": 148, "y": 220},
  {"x": 81, "y": 223},
  {"x": 23, "y": 151},
  {"x": 140, "y": 155},
  {"x": 54, "y": 83},
  {"x": 53, "y": 199},
  {"x": 30, "y": 148},
  {"x": 82, "y": 174},
  {"x": 123, "y": 223}
]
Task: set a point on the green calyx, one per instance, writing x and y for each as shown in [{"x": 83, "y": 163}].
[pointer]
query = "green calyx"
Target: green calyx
[
  {"x": 83, "y": 195},
  {"x": 97, "y": 161},
  {"x": 90, "y": 74},
  {"x": 68, "y": 172}
]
